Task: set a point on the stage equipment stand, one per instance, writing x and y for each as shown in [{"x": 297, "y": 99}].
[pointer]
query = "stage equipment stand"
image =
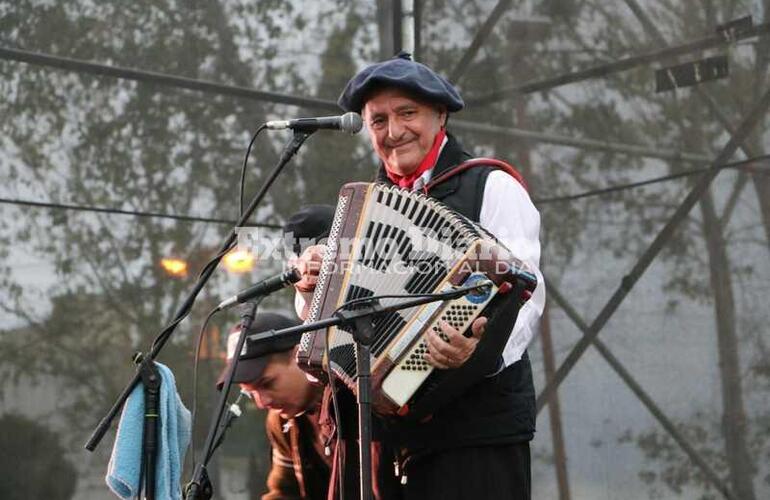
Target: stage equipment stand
[
  {"x": 200, "y": 486},
  {"x": 151, "y": 382},
  {"x": 146, "y": 371}
]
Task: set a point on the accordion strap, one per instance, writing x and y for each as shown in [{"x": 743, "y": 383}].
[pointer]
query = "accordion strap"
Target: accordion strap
[{"x": 476, "y": 162}]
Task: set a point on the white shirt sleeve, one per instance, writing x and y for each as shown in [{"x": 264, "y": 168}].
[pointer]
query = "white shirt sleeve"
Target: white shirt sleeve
[
  {"x": 508, "y": 213},
  {"x": 302, "y": 303}
]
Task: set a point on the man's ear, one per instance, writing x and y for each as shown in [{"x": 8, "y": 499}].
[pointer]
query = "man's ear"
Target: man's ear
[{"x": 443, "y": 116}]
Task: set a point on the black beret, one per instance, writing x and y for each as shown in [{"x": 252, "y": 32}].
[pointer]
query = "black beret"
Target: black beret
[
  {"x": 403, "y": 73},
  {"x": 254, "y": 356},
  {"x": 311, "y": 222}
]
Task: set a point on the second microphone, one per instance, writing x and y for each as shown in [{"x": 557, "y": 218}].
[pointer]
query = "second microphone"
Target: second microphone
[{"x": 264, "y": 287}]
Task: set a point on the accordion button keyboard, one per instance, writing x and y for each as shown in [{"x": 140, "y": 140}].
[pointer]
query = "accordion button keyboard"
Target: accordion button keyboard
[{"x": 412, "y": 369}]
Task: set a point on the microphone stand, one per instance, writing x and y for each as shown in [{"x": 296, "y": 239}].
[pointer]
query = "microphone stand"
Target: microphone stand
[
  {"x": 363, "y": 333},
  {"x": 151, "y": 380},
  {"x": 233, "y": 412},
  {"x": 360, "y": 321},
  {"x": 145, "y": 362},
  {"x": 200, "y": 485}
]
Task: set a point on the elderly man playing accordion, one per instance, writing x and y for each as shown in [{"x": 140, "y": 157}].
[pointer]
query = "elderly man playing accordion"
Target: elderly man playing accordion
[{"x": 477, "y": 444}]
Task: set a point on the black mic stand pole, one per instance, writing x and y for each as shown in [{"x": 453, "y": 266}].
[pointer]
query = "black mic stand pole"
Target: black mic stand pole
[
  {"x": 289, "y": 151},
  {"x": 200, "y": 485},
  {"x": 151, "y": 381},
  {"x": 364, "y": 335}
]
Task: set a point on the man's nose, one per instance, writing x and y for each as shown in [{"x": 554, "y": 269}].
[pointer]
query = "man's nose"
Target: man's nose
[
  {"x": 261, "y": 400},
  {"x": 395, "y": 128}
]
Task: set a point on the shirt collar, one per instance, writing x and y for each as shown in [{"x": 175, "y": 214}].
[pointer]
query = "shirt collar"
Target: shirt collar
[{"x": 428, "y": 174}]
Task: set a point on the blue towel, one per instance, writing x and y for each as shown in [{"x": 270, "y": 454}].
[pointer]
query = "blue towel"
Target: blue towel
[{"x": 173, "y": 438}]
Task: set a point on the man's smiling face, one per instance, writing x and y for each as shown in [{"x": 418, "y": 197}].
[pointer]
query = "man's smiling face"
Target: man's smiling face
[{"x": 401, "y": 128}]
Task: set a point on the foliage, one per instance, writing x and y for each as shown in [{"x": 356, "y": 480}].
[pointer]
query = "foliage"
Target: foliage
[
  {"x": 33, "y": 462},
  {"x": 74, "y": 138},
  {"x": 611, "y": 231}
]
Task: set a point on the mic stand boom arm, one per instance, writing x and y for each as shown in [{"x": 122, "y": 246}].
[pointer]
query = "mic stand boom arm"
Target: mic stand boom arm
[
  {"x": 361, "y": 312},
  {"x": 289, "y": 151}
]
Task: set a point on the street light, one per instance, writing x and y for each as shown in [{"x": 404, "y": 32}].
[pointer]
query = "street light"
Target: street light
[
  {"x": 174, "y": 267},
  {"x": 239, "y": 261}
]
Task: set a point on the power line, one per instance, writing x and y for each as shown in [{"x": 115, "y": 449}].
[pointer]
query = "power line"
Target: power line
[
  {"x": 603, "y": 70},
  {"x": 164, "y": 79},
  {"x": 743, "y": 164},
  {"x": 208, "y": 87},
  {"x": 158, "y": 215},
  {"x": 645, "y": 151}
]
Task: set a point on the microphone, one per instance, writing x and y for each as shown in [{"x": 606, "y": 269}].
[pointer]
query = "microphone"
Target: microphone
[
  {"x": 349, "y": 122},
  {"x": 264, "y": 287}
]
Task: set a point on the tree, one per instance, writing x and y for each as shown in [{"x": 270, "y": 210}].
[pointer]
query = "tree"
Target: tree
[
  {"x": 33, "y": 462},
  {"x": 97, "y": 141},
  {"x": 620, "y": 107},
  {"x": 73, "y": 138}
]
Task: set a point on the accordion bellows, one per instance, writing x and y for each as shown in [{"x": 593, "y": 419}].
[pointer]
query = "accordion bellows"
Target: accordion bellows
[{"x": 388, "y": 241}]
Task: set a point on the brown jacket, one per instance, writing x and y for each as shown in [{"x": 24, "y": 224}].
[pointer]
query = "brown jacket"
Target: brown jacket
[{"x": 300, "y": 469}]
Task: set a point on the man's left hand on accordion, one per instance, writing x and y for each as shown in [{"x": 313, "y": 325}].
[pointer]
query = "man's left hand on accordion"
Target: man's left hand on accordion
[
  {"x": 451, "y": 348},
  {"x": 308, "y": 264}
]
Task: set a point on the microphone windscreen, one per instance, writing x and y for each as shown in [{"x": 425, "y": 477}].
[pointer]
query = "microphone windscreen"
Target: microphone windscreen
[{"x": 351, "y": 123}]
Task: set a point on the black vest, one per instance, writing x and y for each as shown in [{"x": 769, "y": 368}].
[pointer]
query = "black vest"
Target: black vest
[{"x": 499, "y": 409}]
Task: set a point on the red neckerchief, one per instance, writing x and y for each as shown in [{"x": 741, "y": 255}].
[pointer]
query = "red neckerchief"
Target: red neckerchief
[{"x": 406, "y": 181}]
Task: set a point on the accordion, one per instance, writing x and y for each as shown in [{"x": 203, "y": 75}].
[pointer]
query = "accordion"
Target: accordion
[{"x": 386, "y": 241}]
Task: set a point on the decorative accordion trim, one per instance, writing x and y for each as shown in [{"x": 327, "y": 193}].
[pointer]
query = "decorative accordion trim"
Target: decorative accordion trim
[{"x": 327, "y": 266}]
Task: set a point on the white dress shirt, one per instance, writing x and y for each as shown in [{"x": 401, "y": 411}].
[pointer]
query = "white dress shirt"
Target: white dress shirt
[{"x": 508, "y": 213}]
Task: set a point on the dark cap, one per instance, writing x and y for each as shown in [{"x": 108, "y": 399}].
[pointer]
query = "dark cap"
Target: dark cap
[
  {"x": 256, "y": 354},
  {"x": 403, "y": 73},
  {"x": 310, "y": 224}
]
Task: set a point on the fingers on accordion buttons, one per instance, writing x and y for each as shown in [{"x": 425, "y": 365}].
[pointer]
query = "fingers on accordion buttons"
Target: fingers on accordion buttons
[{"x": 479, "y": 326}]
